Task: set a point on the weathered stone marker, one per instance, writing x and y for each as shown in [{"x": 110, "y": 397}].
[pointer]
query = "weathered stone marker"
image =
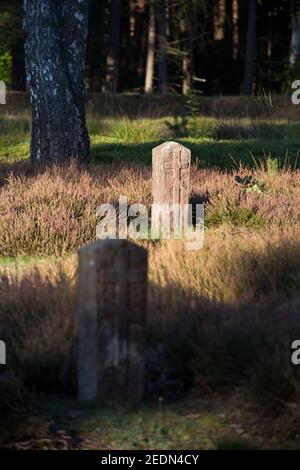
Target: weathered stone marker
[
  {"x": 171, "y": 164},
  {"x": 112, "y": 311}
]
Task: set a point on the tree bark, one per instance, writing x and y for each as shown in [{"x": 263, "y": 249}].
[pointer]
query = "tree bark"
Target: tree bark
[
  {"x": 150, "y": 53},
  {"x": 250, "y": 49},
  {"x": 55, "y": 44},
  {"x": 295, "y": 39},
  {"x": 113, "y": 53},
  {"x": 162, "y": 46},
  {"x": 140, "y": 37},
  {"x": 188, "y": 55}
]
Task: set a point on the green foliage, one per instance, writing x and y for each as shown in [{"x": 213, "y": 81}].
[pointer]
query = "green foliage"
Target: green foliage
[
  {"x": 251, "y": 185},
  {"x": 6, "y": 68},
  {"x": 11, "y": 32},
  {"x": 115, "y": 139},
  {"x": 133, "y": 131},
  {"x": 233, "y": 215},
  {"x": 158, "y": 427},
  {"x": 192, "y": 106},
  {"x": 278, "y": 74},
  {"x": 272, "y": 166}
]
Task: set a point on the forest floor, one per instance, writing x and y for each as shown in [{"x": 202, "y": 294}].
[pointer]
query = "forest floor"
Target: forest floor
[
  {"x": 221, "y": 422},
  {"x": 237, "y": 300}
]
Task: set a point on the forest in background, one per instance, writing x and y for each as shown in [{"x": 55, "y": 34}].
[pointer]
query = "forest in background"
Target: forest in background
[{"x": 227, "y": 47}]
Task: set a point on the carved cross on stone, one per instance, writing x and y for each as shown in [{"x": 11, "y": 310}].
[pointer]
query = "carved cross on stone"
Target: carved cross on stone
[
  {"x": 177, "y": 176},
  {"x": 171, "y": 164},
  {"x": 171, "y": 173}
]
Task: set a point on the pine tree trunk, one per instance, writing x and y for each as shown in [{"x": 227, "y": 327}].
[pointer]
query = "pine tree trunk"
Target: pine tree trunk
[
  {"x": 162, "y": 46},
  {"x": 188, "y": 55},
  {"x": 112, "y": 62},
  {"x": 295, "y": 39},
  {"x": 140, "y": 38},
  {"x": 150, "y": 53},
  {"x": 55, "y": 43},
  {"x": 191, "y": 42},
  {"x": 250, "y": 49}
]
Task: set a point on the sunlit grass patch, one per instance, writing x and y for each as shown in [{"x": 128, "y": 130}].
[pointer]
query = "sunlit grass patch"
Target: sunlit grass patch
[
  {"x": 122, "y": 138},
  {"x": 161, "y": 427}
]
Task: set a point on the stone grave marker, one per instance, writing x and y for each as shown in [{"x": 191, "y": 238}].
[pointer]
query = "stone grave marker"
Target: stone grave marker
[
  {"x": 171, "y": 165},
  {"x": 112, "y": 313}
]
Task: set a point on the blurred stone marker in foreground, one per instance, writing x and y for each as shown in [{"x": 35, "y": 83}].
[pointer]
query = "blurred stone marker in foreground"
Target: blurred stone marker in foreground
[{"x": 112, "y": 311}]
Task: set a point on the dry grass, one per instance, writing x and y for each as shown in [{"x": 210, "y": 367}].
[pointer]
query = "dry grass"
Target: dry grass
[
  {"x": 210, "y": 312},
  {"x": 53, "y": 210}
]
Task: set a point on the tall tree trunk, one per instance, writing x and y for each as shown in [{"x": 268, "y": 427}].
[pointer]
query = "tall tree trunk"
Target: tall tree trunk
[
  {"x": 295, "y": 39},
  {"x": 55, "y": 43},
  {"x": 113, "y": 53},
  {"x": 150, "y": 52},
  {"x": 162, "y": 47},
  {"x": 140, "y": 37},
  {"x": 235, "y": 28},
  {"x": 188, "y": 55},
  {"x": 250, "y": 49},
  {"x": 219, "y": 20}
]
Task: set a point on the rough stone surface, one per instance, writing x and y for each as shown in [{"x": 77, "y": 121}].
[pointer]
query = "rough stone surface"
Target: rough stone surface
[
  {"x": 171, "y": 163},
  {"x": 112, "y": 311}
]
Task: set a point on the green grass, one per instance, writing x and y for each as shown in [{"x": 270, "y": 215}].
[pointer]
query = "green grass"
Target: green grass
[
  {"x": 226, "y": 348},
  {"x": 208, "y": 153},
  {"x": 23, "y": 260},
  {"x": 190, "y": 424},
  {"x": 122, "y": 139},
  {"x": 153, "y": 428}
]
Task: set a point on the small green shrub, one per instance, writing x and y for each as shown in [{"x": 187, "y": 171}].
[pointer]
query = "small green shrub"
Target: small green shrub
[
  {"x": 235, "y": 216},
  {"x": 251, "y": 185},
  {"x": 272, "y": 166}
]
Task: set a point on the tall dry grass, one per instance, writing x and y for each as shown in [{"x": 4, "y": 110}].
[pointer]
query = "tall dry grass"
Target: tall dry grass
[
  {"x": 222, "y": 316},
  {"x": 52, "y": 210}
]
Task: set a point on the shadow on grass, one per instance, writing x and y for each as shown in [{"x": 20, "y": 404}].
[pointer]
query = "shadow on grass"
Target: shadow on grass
[
  {"x": 191, "y": 340},
  {"x": 224, "y": 155}
]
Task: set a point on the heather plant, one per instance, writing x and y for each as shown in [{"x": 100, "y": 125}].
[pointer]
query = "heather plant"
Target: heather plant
[
  {"x": 229, "y": 303},
  {"x": 229, "y": 299},
  {"x": 52, "y": 210}
]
